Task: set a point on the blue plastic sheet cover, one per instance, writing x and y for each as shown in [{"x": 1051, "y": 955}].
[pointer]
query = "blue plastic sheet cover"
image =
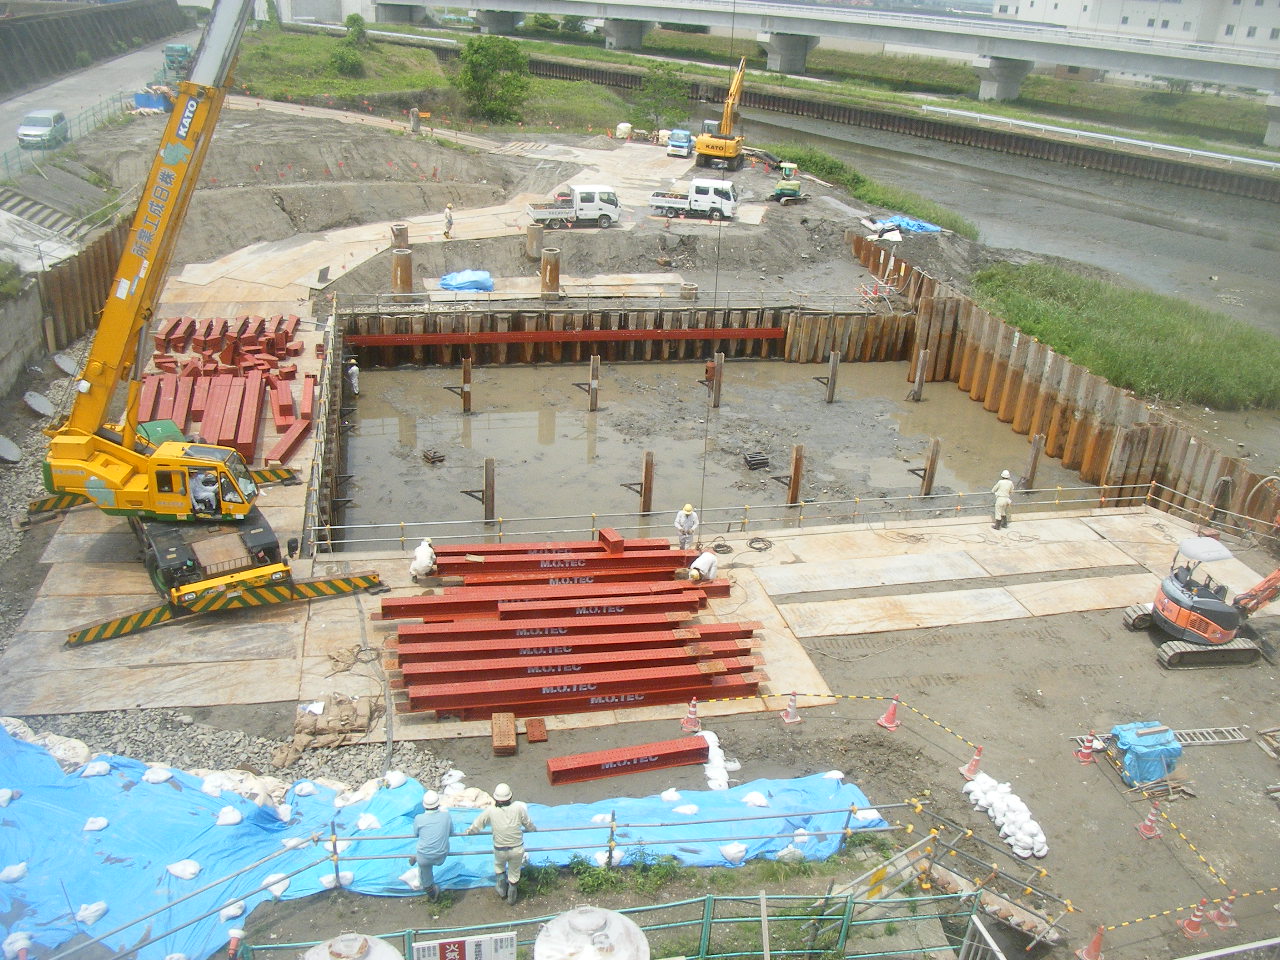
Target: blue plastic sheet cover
[
  {"x": 909, "y": 223},
  {"x": 151, "y": 826},
  {"x": 1146, "y": 758},
  {"x": 467, "y": 280}
]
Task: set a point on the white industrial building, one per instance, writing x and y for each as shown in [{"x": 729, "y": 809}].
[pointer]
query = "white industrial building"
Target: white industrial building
[{"x": 1243, "y": 23}]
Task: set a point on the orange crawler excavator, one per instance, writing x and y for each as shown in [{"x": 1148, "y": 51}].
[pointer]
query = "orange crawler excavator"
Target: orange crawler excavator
[{"x": 1193, "y": 608}]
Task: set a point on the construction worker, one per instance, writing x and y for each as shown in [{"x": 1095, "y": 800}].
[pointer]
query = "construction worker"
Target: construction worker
[
  {"x": 704, "y": 568},
  {"x": 424, "y": 560},
  {"x": 686, "y": 524},
  {"x": 448, "y": 221},
  {"x": 1003, "y": 491},
  {"x": 353, "y": 376},
  {"x": 508, "y": 819},
  {"x": 204, "y": 492},
  {"x": 433, "y": 828}
]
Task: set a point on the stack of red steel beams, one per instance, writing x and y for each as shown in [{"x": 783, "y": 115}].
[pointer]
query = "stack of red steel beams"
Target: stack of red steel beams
[
  {"x": 222, "y": 374},
  {"x": 573, "y": 641}
]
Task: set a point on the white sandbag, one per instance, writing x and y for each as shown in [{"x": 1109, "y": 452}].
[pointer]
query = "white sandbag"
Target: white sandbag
[
  {"x": 304, "y": 788},
  {"x": 95, "y": 823},
  {"x": 833, "y": 775},
  {"x": 17, "y": 729},
  {"x": 453, "y": 790},
  {"x": 276, "y": 883},
  {"x": 601, "y": 857},
  {"x": 344, "y": 879},
  {"x": 7, "y": 796},
  {"x": 184, "y": 869},
  {"x": 91, "y": 912},
  {"x": 157, "y": 774},
  {"x": 733, "y": 766},
  {"x": 867, "y": 814},
  {"x": 734, "y": 852},
  {"x": 790, "y": 854},
  {"x": 394, "y": 778},
  {"x": 285, "y": 812},
  {"x": 68, "y": 751},
  {"x": 801, "y": 835},
  {"x": 671, "y": 795},
  {"x": 411, "y": 879},
  {"x": 96, "y": 768},
  {"x": 367, "y": 821},
  {"x": 1040, "y": 850},
  {"x": 18, "y": 940},
  {"x": 176, "y": 956},
  {"x": 452, "y": 776},
  {"x": 14, "y": 872},
  {"x": 228, "y": 816},
  {"x": 712, "y": 739},
  {"x": 365, "y": 792},
  {"x": 717, "y": 784},
  {"x": 601, "y": 818},
  {"x": 686, "y": 809},
  {"x": 755, "y": 799},
  {"x": 1022, "y": 853},
  {"x": 293, "y": 843},
  {"x": 215, "y": 783},
  {"x": 231, "y": 911},
  {"x": 336, "y": 846}
]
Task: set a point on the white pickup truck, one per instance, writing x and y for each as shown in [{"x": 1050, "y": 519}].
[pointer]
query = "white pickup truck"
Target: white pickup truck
[
  {"x": 706, "y": 198},
  {"x": 586, "y": 204}
]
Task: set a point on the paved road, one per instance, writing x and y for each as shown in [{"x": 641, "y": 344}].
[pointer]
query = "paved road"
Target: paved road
[{"x": 80, "y": 91}]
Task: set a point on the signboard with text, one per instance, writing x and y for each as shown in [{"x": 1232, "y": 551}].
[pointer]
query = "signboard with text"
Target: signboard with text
[{"x": 491, "y": 946}]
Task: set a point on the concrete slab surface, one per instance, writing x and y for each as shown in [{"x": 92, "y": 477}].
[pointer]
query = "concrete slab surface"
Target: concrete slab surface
[
  {"x": 1005, "y": 560},
  {"x": 1094, "y": 593},
  {"x": 836, "y": 618},
  {"x": 803, "y": 578}
]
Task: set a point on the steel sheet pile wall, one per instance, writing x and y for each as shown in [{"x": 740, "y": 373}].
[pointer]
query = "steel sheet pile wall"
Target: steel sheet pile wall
[
  {"x": 1113, "y": 439},
  {"x": 75, "y": 290}
]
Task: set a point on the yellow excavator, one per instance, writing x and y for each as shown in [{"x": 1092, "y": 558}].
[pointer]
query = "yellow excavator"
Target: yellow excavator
[
  {"x": 192, "y": 505},
  {"x": 717, "y": 145}
]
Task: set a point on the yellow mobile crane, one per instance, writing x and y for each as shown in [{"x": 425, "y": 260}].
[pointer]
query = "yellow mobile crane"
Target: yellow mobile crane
[
  {"x": 192, "y": 505},
  {"x": 717, "y": 145}
]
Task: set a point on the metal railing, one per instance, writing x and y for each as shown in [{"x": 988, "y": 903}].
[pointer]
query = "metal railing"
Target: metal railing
[
  {"x": 17, "y": 161},
  {"x": 747, "y": 520},
  {"x": 1075, "y": 134}
]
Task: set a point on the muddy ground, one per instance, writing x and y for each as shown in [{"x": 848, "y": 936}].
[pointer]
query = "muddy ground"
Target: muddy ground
[{"x": 1020, "y": 688}]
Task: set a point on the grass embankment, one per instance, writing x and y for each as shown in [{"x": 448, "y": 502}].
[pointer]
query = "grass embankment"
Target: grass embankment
[
  {"x": 835, "y": 171},
  {"x": 1158, "y": 347}
]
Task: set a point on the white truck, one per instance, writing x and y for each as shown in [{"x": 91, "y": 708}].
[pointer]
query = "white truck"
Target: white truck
[
  {"x": 705, "y": 198},
  {"x": 581, "y": 204}
]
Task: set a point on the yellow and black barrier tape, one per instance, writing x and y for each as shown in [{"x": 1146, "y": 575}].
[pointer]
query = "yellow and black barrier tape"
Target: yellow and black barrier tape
[
  {"x": 124, "y": 625},
  {"x": 1239, "y": 895},
  {"x": 285, "y": 475},
  {"x": 59, "y": 501}
]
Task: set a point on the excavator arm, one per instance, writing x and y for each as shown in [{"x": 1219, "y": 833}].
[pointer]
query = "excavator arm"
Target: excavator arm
[
  {"x": 729, "y": 119},
  {"x": 117, "y": 469},
  {"x": 1257, "y": 597}
]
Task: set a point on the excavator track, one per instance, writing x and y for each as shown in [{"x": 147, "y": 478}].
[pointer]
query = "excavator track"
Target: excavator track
[
  {"x": 212, "y": 602},
  {"x": 1138, "y": 616},
  {"x": 1179, "y": 655}
]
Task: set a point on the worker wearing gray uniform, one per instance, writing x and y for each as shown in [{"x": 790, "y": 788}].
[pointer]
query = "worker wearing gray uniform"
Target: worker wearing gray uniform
[
  {"x": 686, "y": 525},
  {"x": 1003, "y": 491},
  {"x": 433, "y": 828},
  {"x": 508, "y": 819}
]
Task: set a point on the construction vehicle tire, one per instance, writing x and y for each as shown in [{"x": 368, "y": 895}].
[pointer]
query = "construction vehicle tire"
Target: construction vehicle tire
[
  {"x": 716, "y": 215},
  {"x": 604, "y": 221},
  {"x": 672, "y": 212},
  {"x": 554, "y": 224}
]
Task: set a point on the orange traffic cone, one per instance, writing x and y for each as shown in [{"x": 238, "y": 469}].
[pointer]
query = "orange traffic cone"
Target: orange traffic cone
[
  {"x": 1222, "y": 917},
  {"x": 890, "y": 719},
  {"x": 233, "y": 945},
  {"x": 791, "y": 714},
  {"x": 970, "y": 769},
  {"x": 1085, "y": 753},
  {"x": 1149, "y": 827},
  {"x": 1191, "y": 926},
  {"x": 691, "y": 723},
  {"x": 1094, "y": 950}
]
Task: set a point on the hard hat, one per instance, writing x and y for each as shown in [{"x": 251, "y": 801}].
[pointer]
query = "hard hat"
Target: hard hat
[
  {"x": 1004, "y": 474},
  {"x": 426, "y": 541},
  {"x": 695, "y": 575},
  {"x": 430, "y": 800},
  {"x": 502, "y": 793},
  {"x": 688, "y": 508},
  {"x": 448, "y": 206}
]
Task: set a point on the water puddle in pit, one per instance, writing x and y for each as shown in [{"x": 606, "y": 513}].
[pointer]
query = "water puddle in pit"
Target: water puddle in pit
[{"x": 556, "y": 459}]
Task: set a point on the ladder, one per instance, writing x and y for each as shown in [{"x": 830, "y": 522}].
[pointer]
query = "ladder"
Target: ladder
[{"x": 1198, "y": 737}]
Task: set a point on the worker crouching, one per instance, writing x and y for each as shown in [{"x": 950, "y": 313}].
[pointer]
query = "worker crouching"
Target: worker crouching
[{"x": 424, "y": 560}]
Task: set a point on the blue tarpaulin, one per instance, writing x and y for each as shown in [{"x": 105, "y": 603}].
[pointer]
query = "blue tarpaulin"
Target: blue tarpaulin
[
  {"x": 153, "y": 825},
  {"x": 467, "y": 280},
  {"x": 1147, "y": 757},
  {"x": 908, "y": 223}
]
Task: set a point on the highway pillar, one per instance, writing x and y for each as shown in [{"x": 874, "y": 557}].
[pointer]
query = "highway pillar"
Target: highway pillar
[
  {"x": 495, "y": 21},
  {"x": 624, "y": 34},
  {"x": 1272, "y": 137},
  {"x": 999, "y": 77},
  {"x": 786, "y": 52}
]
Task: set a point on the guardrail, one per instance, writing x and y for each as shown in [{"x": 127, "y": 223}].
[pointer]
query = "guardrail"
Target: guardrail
[{"x": 17, "y": 160}]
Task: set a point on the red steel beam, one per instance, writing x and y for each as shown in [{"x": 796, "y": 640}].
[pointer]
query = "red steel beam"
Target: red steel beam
[
  {"x": 551, "y": 665},
  {"x": 561, "y": 336},
  {"x": 487, "y": 598},
  {"x": 726, "y": 686},
  {"x": 569, "y": 563},
  {"x": 445, "y": 648},
  {"x": 496, "y": 693},
  {"x": 712, "y": 588},
  {"x": 551, "y": 546},
  {"x": 538, "y": 629},
  {"x": 599, "y": 764},
  {"x": 600, "y": 606},
  {"x": 287, "y": 444}
]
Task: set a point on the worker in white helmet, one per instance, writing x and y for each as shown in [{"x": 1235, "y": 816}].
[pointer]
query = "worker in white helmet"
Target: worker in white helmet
[
  {"x": 353, "y": 376},
  {"x": 1003, "y": 491},
  {"x": 509, "y": 819},
  {"x": 424, "y": 560},
  {"x": 448, "y": 221},
  {"x": 433, "y": 827},
  {"x": 686, "y": 524},
  {"x": 704, "y": 568}
]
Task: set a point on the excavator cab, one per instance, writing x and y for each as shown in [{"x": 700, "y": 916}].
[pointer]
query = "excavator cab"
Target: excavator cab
[{"x": 1191, "y": 605}]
